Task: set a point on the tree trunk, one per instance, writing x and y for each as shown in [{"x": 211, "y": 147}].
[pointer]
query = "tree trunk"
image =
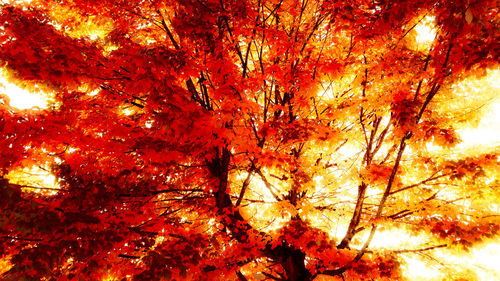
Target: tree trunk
[{"x": 292, "y": 261}]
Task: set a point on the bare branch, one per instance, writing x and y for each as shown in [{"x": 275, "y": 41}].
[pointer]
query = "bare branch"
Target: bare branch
[
  {"x": 267, "y": 184},
  {"x": 419, "y": 250},
  {"x": 419, "y": 183},
  {"x": 245, "y": 185}
]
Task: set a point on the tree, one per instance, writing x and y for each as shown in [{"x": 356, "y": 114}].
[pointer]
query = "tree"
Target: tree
[{"x": 242, "y": 140}]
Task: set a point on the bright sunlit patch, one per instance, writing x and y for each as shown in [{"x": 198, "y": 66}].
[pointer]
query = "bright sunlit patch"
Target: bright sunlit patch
[
  {"x": 417, "y": 269},
  {"x": 266, "y": 214},
  {"x": 425, "y": 32},
  {"x": 5, "y": 264},
  {"x": 395, "y": 238},
  {"x": 90, "y": 27},
  {"x": 487, "y": 131},
  {"x": 108, "y": 48},
  {"x": 494, "y": 208},
  {"x": 432, "y": 148},
  {"x": 486, "y": 258},
  {"x": 20, "y": 98},
  {"x": 93, "y": 93},
  {"x": 349, "y": 150},
  {"x": 13, "y": 2},
  {"x": 127, "y": 111},
  {"x": 481, "y": 261},
  {"x": 34, "y": 180}
]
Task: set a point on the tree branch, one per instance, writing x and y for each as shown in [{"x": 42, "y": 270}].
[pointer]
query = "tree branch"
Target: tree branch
[
  {"x": 419, "y": 250},
  {"x": 267, "y": 183},
  {"x": 128, "y": 256},
  {"x": 245, "y": 185},
  {"x": 419, "y": 183},
  {"x": 170, "y": 35}
]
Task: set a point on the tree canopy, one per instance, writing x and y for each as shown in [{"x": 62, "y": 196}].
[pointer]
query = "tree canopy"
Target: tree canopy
[{"x": 244, "y": 140}]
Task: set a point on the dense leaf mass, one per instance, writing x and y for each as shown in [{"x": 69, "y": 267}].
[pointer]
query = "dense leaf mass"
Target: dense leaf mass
[{"x": 241, "y": 139}]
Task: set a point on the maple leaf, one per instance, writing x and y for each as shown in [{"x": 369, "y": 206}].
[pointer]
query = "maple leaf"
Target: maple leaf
[{"x": 241, "y": 140}]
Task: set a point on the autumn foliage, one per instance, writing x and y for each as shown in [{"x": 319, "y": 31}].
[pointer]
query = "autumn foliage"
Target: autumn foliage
[{"x": 241, "y": 140}]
